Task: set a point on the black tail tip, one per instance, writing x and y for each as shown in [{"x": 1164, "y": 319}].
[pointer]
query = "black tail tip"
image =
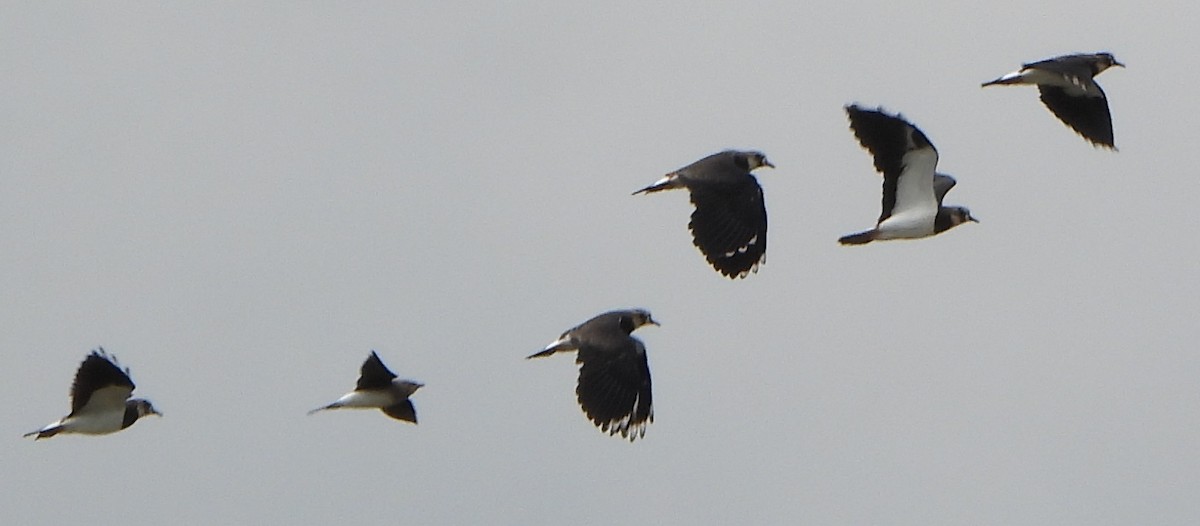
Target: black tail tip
[{"x": 860, "y": 238}]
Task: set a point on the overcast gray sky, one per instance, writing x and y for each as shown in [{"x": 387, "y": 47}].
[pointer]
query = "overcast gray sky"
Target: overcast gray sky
[{"x": 241, "y": 201}]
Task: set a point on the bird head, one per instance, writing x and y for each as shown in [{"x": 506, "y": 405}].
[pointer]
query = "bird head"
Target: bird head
[
  {"x": 1105, "y": 61},
  {"x": 640, "y": 317},
  {"x": 408, "y": 386},
  {"x": 756, "y": 160},
  {"x": 960, "y": 215},
  {"x": 144, "y": 407}
]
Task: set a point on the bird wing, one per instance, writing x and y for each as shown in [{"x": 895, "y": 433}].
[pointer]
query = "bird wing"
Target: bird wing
[
  {"x": 729, "y": 225},
  {"x": 914, "y": 187},
  {"x": 614, "y": 384},
  {"x": 1074, "y": 74},
  {"x": 902, "y": 154},
  {"x": 1073, "y": 65},
  {"x": 105, "y": 400},
  {"x": 374, "y": 375},
  {"x": 1087, "y": 115},
  {"x": 402, "y": 411},
  {"x": 942, "y": 184},
  {"x": 100, "y": 383}
]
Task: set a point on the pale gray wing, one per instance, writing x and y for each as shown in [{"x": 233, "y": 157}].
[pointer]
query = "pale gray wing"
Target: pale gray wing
[{"x": 942, "y": 184}]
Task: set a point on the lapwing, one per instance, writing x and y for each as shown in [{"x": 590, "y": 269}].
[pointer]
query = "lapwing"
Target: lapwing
[
  {"x": 614, "y": 376},
  {"x": 729, "y": 225},
  {"x": 100, "y": 401},
  {"x": 1069, "y": 90},
  {"x": 378, "y": 388},
  {"x": 912, "y": 190}
]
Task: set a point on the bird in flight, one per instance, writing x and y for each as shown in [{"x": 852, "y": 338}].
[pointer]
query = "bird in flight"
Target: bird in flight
[
  {"x": 378, "y": 388},
  {"x": 1068, "y": 88},
  {"x": 729, "y": 225},
  {"x": 912, "y": 189},
  {"x": 614, "y": 376},
  {"x": 100, "y": 402}
]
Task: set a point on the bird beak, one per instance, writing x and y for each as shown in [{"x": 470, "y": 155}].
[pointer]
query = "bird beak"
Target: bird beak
[
  {"x": 768, "y": 165},
  {"x": 972, "y": 219},
  {"x": 155, "y": 412},
  {"x": 652, "y": 321},
  {"x": 1115, "y": 63}
]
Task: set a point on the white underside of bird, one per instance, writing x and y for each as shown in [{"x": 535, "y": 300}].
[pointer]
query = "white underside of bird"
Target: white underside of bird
[
  {"x": 912, "y": 225},
  {"x": 89, "y": 424},
  {"x": 373, "y": 399},
  {"x": 103, "y": 414}
]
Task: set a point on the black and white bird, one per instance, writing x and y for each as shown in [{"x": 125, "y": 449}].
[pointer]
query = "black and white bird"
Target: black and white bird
[
  {"x": 1069, "y": 90},
  {"x": 912, "y": 190},
  {"x": 378, "y": 388},
  {"x": 729, "y": 225},
  {"x": 100, "y": 401},
  {"x": 614, "y": 376}
]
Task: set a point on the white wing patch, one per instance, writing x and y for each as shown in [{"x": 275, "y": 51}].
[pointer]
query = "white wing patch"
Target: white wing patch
[
  {"x": 916, "y": 205},
  {"x": 107, "y": 399},
  {"x": 742, "y": 249},
  {"x": 914, "y": 189}
]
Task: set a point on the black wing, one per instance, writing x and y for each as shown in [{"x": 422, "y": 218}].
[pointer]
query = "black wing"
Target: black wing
[
  {"x": 402, "y": 411},
  {"x": 614, "y": 385},
  {"x": 374, "y": 375},
  {"x": 886, "y": 137},
  {"x": 729, "y": 225},
  {"x": 1088, "y": 116},
  {"x": 97, "y": 372}
]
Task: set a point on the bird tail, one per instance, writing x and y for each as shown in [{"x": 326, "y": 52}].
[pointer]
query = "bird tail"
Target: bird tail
[
  {"x": 860, "y": 238},
  {"x": 561, "y": 344},
  {"x": 43, "y": 433},
  {"x": 324, "y": 407},
  {"x": 1011, "y": 78},
  {"x": 668, "y": 182}
]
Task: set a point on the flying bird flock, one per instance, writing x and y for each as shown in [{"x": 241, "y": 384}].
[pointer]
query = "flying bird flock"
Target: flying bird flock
[{"x": 728, "y": 226}]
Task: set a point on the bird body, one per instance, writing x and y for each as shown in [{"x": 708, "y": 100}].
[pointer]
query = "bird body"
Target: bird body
[
  {"x": 1068, "y": 88},
  {"x": 100, "y": 402},
  {"x": 729, "y": 224},
  {"x": 614, "y": 375},
  {"x": 912, "y": 189},
  {"x": 379, "y": 388},
  {"x": 96, "y": 423},
  {"x": 372, "y": 399}
]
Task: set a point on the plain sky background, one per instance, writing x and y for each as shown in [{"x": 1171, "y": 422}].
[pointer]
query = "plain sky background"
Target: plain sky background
[{"x": 241, "y": 200}]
